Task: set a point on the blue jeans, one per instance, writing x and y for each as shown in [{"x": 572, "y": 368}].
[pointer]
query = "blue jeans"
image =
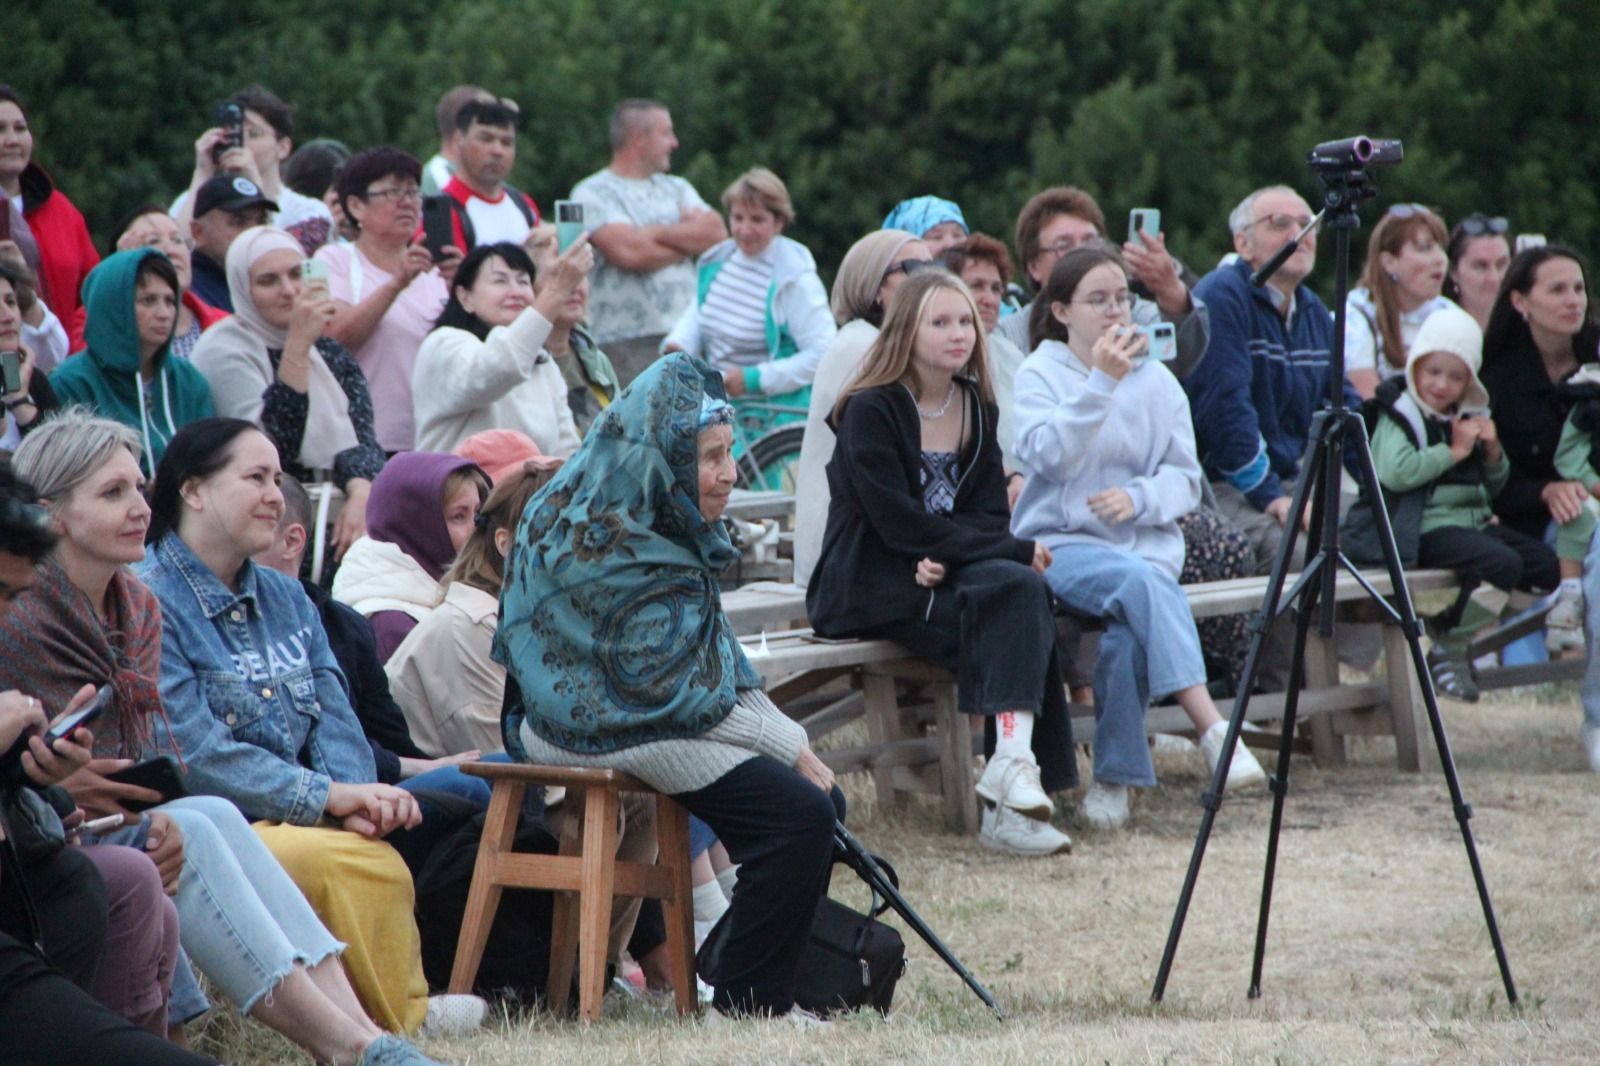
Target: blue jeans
[
  {"x": 451, "y": 780},
  {"x": 1589, "y": 691},
  {"x": 1150, "y": 649},
  {"x": 243, "y": 922}
]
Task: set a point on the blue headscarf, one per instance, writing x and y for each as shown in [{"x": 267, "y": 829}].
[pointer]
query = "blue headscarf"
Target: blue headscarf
[
  {"x": 921, "y": 213},
  {"x": 611, "y": 616}
]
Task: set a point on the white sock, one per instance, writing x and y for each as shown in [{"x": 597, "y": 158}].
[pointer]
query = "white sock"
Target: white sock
[
  {"x": 725, "y": 879},
  {"x": 1013, "y": 733},
  {"x": 709, "y": 902},
  {"x": 1573, "y": 583}
]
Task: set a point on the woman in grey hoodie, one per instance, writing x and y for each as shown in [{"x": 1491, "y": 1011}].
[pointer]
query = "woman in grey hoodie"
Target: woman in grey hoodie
[{"x": 1104, "y": 437}]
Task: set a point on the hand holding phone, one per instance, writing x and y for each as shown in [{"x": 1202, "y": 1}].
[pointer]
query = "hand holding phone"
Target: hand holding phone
[
  {"x": 229, "y": 118},
  {"x": 10, "y": 372},
  {"x": 64, "y": 726},
  {"x": 1163, "y": 341},
  {"x": 1143, "y": 222},
  {"x": 160, "y": 775},
  {"x": 569, "y": 223},
  {"x": 438, "y": 225},
  {"x": 314, "y": 272}
]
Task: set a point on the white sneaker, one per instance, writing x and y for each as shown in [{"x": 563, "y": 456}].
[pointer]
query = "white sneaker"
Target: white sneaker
[
  {"x": 454, "y": 1015},
  {"x": 805, "y": 1020},
  {"x": 1563, "y": 626},
  {"x": 1105, "y": 806},
  {"x": 1243, "y": 771},
  {"x": 1004, "y": 829},
  {"x": 1013, "y": 781},
  {"x": 797, "y": 1016},
  {"x": 1591, "y": 745}
]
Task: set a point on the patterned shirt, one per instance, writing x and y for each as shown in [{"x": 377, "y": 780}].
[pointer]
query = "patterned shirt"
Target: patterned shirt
[
  {"x": 940, "y": 473},
  {"x": 733, "y": 319},
  {"x": 283, "y": 418},
  {"x": 625, "y": 305}
]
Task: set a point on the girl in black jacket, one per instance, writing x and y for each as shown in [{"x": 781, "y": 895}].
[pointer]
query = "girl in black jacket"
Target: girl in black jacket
[{"x": 918, "y": 549}]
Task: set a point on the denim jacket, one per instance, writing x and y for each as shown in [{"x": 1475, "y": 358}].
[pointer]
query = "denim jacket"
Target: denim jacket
[{"x": 257, "y": 703}]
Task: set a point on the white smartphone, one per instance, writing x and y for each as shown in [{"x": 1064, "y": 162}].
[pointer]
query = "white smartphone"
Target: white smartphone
[
  {"x": 1162, "y": 338},
  {"x": 1146, "y": 221},
  {"x": 314, "y": 271}
]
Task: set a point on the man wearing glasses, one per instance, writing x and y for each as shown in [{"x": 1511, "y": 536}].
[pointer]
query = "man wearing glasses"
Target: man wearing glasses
[
  {"x": 1266, "y": 370},
  {"x": 1063, "y": 217}
]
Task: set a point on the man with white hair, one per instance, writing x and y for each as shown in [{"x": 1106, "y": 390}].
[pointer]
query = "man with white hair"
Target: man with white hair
[
  {"x": 1266, "y": 370},
  {"x": 647, "y": 226}
]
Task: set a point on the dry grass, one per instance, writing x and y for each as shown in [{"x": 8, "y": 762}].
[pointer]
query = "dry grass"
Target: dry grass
[{"x": 1378, "y": 951}]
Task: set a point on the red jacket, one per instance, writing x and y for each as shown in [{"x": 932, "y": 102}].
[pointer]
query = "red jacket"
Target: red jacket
[
  {"x": 66, "y": 254},
  {"x": 203, "y": 312}
]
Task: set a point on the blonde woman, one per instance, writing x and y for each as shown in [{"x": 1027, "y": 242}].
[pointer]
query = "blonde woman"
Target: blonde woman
[{"x": 918, "y": 550}]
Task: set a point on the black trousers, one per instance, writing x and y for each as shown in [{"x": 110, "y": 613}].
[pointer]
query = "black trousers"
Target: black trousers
[
  {"x": 779, "y": 828},
  {"x": 992, "y": 623},
  {"x": 1501, "y": 556}
]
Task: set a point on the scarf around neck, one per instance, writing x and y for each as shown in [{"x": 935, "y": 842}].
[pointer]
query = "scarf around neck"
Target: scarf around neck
[
  {"x": 52, "y": 643},
  {"x": 235, "y": 356},
  {"x": 611, "y": 616}
]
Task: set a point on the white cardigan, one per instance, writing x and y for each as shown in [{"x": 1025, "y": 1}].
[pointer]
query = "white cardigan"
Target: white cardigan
[{"x": 462, "y": 386}]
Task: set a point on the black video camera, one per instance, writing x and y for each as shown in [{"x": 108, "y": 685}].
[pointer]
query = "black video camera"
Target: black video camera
[{"x": 1353, "y": 153}]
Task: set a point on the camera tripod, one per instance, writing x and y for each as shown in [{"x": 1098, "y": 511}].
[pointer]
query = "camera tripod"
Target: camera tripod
[{"x": 1340, "y": 168}]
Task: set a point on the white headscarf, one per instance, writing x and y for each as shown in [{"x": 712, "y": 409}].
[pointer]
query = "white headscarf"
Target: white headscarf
[{"x": 233, "y": 357}]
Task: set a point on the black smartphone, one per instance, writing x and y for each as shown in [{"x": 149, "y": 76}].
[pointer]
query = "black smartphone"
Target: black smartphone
[
  {"x": 438, "y": 225},
  {"x": 10, "y": 372},
  {"x": 229, "y": 117},
  {"x": 158, "y": 774},
  {"x": 81, "y": 717}
]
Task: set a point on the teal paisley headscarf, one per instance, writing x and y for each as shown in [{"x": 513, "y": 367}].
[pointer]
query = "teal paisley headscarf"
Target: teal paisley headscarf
[{"x": 611, "y": 616}]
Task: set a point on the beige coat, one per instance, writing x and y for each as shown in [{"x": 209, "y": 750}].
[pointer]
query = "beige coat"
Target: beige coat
[{"x": 443, "y": 679}]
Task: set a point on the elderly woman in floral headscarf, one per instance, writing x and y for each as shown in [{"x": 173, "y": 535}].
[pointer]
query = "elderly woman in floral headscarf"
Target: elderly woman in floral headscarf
[{"x": 611, "y": 627}]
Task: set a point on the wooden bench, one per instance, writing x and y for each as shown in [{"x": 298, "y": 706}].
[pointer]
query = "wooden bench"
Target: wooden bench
[
  {"x": 585, "y": 877},
  {"x": 927, "y": 747}
]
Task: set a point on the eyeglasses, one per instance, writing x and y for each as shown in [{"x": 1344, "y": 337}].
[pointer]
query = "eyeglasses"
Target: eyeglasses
[
  {"x": 402, "y": 195},
  {"x": 1407, "y": 210},
  {"x": 1102, "y": 302},
  {"x": 1476, "y": 225},
  {"x": 1281, "y": 223},
  {"x": 1065, "y": 245},
  {"x": 909, "y": 267}
]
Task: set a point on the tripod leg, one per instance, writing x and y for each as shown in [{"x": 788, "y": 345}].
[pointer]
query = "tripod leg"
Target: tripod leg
[
  {"x": 1279, "y": 781},
  {"x": 1419, "y": 662},
  {"x": 1212, "y": 799}
]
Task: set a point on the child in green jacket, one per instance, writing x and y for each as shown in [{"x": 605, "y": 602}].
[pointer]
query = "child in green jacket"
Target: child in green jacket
[{"x": 1436, "y": 438}]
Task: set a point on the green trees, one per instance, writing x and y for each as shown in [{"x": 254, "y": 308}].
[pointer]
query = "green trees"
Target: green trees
[{"x": 1179, "y": 104}]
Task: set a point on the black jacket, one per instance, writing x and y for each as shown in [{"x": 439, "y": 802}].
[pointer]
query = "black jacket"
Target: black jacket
[
  {"x": 1529, "y": 411},
  {"x": 350, "y": 637},
  {"x": 878, "y": 528}
]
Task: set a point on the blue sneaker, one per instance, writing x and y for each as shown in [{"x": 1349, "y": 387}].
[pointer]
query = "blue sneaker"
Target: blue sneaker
[{"x": 391, "y": 1050}]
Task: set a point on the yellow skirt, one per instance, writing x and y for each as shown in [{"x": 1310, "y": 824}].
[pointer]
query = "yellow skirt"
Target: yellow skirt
[{"x": 363, "y": 893}]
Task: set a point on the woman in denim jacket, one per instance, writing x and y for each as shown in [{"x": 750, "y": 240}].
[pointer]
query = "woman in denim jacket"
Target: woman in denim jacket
[{"x": 258, "y": 707}]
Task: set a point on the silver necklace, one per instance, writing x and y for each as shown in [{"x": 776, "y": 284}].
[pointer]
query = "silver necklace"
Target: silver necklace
[{"x": 926, "y": 417}]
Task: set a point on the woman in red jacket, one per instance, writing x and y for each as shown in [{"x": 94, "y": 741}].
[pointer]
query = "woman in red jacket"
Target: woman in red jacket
[{"x": 66, "y": 254}]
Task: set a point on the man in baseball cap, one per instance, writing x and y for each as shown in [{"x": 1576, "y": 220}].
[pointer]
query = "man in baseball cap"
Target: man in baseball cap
[{"x": 224, "y": 207}]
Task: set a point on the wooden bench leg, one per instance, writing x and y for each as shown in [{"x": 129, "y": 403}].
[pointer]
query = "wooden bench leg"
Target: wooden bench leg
[
  {"x": 883, "y": 725},
  {"x": 672, "y": 831},
  {"x": 1406, "y": 709},
  {"x": 594, "y": 905},
  {"x": 564, "y": 914},
  {"x": 483, "y": 898},
  {"x": 1322, "y": 671},
  {"x": 955, "y": 761}
]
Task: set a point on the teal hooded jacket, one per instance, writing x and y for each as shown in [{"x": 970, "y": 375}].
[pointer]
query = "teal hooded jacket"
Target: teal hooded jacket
[{"x": 105, "y": 375}]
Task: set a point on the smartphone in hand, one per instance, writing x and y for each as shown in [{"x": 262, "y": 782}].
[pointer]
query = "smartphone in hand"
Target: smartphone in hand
[
  {"x": 1145, "y": 222},
  {"x": 229, "y": 117},
  {"x": 569, "y": 223}
]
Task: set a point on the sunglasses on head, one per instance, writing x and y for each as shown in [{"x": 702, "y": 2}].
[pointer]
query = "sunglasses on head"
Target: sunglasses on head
[
  {"x": 909, "y": 267},
  {"x": 1477, "y": 225},
  {"x": 1407, "y": 210}
]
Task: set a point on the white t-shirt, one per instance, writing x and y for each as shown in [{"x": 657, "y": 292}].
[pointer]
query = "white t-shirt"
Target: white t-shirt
[
  {"x": 622, "y": 304},
  {"x": 1363, "y": 345},
  {"x": 496, "y": 220}
]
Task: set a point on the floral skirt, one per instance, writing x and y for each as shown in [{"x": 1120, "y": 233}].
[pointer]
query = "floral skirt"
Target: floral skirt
[{"x": 1215, "y": 550}]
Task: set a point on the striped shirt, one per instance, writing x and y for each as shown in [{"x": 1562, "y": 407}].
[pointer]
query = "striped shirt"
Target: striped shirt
[{"x": 733, "y": 319}]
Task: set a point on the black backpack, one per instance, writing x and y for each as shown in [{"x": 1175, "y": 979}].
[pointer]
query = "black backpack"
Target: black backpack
[{"x": 1358, "y": 532}]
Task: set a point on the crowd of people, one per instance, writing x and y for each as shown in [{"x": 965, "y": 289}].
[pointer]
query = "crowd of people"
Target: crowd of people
[{"x": 517, "y": 441}]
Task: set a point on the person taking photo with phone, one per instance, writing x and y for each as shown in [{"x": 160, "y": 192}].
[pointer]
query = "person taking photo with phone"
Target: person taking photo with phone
[
  {"x": 27, "y": 396},
  {"x": 272, "y": 364},
  {"x": 387, "y": 288}
]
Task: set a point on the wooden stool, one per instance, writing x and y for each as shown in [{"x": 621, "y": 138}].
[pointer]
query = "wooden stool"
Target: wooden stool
[{"x": 587, "y": 866}]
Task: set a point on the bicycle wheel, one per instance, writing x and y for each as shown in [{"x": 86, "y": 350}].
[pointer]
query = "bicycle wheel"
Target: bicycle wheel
[{"x": 773, "y": 460}]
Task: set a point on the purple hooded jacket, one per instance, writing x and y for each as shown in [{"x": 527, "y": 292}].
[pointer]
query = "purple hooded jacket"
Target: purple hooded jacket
[{"x": 406, "y": 508}]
